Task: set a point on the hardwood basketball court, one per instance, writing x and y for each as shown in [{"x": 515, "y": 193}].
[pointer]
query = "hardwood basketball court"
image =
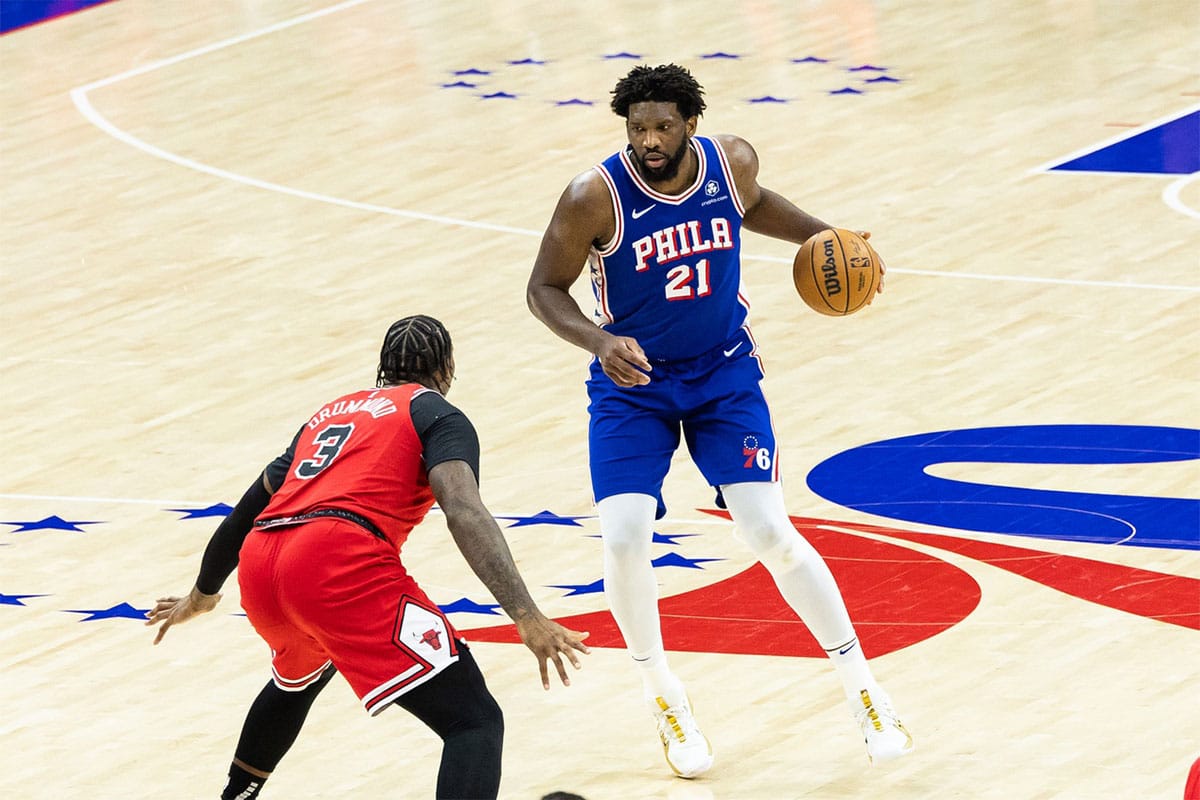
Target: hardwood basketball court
[{"x": 211, "y": 213}]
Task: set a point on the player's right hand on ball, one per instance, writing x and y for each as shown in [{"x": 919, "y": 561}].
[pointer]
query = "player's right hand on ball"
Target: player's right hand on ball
[
  {"x": 550, "y": 641},
  {"x": 623, "y": 360}
]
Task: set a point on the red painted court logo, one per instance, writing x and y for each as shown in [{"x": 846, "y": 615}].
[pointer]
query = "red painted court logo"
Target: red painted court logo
[{"x": 432, "y": 639}]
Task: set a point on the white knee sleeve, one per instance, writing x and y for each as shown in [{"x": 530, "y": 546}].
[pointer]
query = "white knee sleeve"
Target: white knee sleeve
[{"x": 762, "y": 523}]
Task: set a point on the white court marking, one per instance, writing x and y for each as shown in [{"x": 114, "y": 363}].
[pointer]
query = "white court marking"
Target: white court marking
[
  {"x": 1170, "y": 195},
  {"x": 79, "y": 96}
]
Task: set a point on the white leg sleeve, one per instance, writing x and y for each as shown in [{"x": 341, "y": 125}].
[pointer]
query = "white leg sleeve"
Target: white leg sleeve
[
  {"x": 803, "y": 579},
  {"x": 627, "y": 527},
  {"x": 801, "y": 574}
]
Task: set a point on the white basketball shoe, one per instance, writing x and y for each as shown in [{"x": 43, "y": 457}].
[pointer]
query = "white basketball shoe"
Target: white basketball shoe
[
  {"x": 886, "y": 737},
  {"x": 688, "y": 753}
]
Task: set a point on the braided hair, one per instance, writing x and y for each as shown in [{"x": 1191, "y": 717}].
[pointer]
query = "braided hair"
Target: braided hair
[
  {"x": 667, "y": 83},
  {"x": 416, "y": 349}
]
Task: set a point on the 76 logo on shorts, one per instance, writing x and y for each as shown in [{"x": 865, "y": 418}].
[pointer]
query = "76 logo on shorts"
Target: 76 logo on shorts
[{"x": 755, "y": 456}]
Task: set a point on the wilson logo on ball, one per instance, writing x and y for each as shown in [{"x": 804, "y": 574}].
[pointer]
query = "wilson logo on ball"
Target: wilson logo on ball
[
  {"x": 830, "y": 269},
  {"x": 836, "y": 272}
]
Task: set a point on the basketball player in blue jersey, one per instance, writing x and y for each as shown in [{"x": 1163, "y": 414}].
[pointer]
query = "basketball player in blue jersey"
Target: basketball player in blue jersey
[{"x": 660, "y": 224}]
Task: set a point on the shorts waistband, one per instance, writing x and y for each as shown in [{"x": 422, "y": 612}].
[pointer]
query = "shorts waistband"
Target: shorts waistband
[
  {"x": 721, "y": 350},
  {"x": 339, "y": 513}
]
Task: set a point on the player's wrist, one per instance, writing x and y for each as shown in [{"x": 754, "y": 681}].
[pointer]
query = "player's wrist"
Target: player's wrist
[{"x": 202, "y": 599}]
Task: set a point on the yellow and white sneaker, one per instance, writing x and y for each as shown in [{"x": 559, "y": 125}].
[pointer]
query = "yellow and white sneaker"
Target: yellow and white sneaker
[
  {"x": 886, "y": 737},
  {"x": 688, "y": 753}
]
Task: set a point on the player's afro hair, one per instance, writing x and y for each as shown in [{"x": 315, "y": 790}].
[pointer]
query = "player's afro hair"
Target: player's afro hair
[{"x": 667, "y": 83}]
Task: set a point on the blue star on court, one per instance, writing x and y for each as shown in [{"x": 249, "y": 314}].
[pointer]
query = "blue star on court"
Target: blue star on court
[
  {"x": 574, "y": 101},
  {"x": 527, "y": 62},
  {"x": 465, "y": 605},
  {"x": 866, "y": 68},
  {"x": 669, "y": 538},
  {"x": 215, "y": 510},
  {"x": 676, "y": 560},
  {"x": 545, "y": 517},
  {"x": 471, "y": 71},
  {"x": 810, "y": 60},
  {"x": 119, "y": 611},
  {"x": 767, "y": 98},
  {"x": 460, "y": 85},
  {"x": 611, "y": 56},
  {"x": 846, "y": 90},
  {"x": 498, "y": 96},
  {"x": 719, "y": 54},
  {"x": 15, "y": 599},
  {"x": 51, "y": 523},
  {"x": 580, "y": 588},
  {"x": 658, "y": 538}
]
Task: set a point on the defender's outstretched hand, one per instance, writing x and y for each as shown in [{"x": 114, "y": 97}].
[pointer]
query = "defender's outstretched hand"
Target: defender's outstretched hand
[
  {"x": 174, "y": 610},
  {"x": 550, "y": 641}
]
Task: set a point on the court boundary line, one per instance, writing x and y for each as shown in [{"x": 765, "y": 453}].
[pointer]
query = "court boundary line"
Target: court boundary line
[
  {"x": 1170, "y": 195},
  {"x": 1048, "y": 166},
  {"x": 79, "y": 96}
]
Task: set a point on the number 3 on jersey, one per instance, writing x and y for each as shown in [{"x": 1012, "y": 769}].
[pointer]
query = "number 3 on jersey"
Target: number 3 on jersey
[
  {"x": 680, "y": 278},
  {"x": 331, "y": 440}
]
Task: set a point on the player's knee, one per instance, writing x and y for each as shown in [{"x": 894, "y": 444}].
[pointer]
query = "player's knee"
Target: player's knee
[
  {"x": 626, "y": 546},
  {"x": 487, "y": 724},
  {"x": 482, "y": 721},
  {"x": 775, "y": 546}
]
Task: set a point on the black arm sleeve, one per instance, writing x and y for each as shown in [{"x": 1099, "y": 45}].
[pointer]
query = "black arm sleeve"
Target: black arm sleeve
[
  {"x": 446, "y": 433},
  {"x": 221, "y": 554},
  {"x": 277, "y": 470}
]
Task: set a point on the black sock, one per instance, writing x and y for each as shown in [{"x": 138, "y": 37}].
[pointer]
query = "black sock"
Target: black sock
[{"x": 242, "y": 785}]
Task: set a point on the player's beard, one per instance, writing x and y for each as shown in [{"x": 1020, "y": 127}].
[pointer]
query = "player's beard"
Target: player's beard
[{"x": 667, "y": 171}]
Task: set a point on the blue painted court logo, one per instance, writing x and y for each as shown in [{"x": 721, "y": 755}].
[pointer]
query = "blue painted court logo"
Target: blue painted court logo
[{"x": 890, "y": 478}]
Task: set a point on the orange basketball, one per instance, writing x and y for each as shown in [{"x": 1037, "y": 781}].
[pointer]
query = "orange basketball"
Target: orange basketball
[{"x": 836, "y": 272}]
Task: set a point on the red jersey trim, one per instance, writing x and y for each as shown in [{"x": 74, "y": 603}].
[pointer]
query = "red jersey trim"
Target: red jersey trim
[
  {"x": 674, "y": 200},
  {"x": 727, "y": 171}
]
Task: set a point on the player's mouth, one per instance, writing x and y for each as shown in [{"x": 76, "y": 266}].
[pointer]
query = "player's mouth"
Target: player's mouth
[{"x": 654, "y": 160}]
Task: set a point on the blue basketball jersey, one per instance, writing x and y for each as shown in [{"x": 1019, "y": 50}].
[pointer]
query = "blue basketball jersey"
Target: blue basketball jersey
[{"x": 670, "y": 277}]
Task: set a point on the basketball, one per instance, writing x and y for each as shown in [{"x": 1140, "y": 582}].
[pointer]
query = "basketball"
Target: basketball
[{"x": 836, "y": 272}]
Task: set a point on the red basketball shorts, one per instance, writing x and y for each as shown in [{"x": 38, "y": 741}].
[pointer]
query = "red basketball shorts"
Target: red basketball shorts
[{"x": 327, "y": 591}]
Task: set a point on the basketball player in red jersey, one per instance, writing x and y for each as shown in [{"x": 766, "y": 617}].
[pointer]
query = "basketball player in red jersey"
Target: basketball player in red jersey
[
  {"x": 659, "y": 222},
  {"x": 316, "y": 542}
]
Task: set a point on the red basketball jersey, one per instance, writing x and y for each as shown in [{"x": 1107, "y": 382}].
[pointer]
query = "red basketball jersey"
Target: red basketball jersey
[{"x": 360, "y": 453}]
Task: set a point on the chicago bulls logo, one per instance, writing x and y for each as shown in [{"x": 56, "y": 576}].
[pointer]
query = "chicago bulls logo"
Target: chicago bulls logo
[{"x": 432, "y": 639}]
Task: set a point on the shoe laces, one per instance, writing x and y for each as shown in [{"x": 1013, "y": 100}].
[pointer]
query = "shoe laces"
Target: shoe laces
[
  {"x": 877, "y": 713},
  {"x": 675, "y": 722}
]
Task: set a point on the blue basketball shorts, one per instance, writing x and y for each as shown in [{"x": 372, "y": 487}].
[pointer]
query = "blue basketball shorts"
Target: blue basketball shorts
[{"x": 713, "y": 400}]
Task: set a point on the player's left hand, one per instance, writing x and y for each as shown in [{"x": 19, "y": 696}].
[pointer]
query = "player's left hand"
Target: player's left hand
[
  {"x": 882, "y": 266},
  {"x": 174, "y": 610}
]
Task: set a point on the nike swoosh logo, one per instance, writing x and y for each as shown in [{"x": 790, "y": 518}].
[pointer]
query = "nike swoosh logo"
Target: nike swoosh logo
[
  {"x": 733, "y": 349},
  {"x": 847, "y": 648},
  {"x": 641, "y": 212}
]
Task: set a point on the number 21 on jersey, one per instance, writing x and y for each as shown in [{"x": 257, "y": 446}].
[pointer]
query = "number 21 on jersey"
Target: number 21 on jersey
[{"x": 685, "y": 282}]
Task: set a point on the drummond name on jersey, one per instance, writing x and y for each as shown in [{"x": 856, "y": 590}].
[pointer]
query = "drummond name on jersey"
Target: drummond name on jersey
[
  {"x": 375, "y": 406},
  {"x": 683, "y": 240}
]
